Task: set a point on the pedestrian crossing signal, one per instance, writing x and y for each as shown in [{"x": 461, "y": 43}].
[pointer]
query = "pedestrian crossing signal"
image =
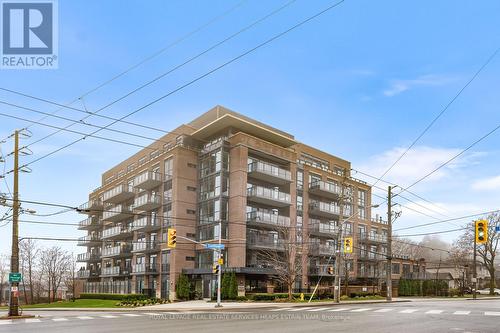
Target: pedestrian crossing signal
[
  {"x": 215, "y": 269},
  {"x": 348, "y": 245}
]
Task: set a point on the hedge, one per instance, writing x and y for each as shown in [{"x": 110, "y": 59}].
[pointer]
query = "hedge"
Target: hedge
[
  {"x": 422, "y": 288},
  {"x": 275, "y": 296},
  {"x": 117, "y": 297}
]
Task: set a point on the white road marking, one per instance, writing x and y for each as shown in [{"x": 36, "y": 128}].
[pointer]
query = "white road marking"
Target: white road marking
[
  {"x": 490, "y": 313},
  {"x": 59, "y": 319},
  {"x": 383, "y": 310},
  {"x": 434, "y": 312},
  {"x": 461, "y": 312},
  {"x": 338, "y": 309},
  {"x": 5, "y": 322},
  {"x": 408, "y": 311},
  {"x": 297, "y": 309},
  {"x": 280, "y": 309},
  {"x": 361, "y": 310},
  {"x": 150, "y": 313},
  {"x": 84, "y": 317},
  {"x": 32, "y": 320},
  {"x": 130, "y": 315},
  {"x": 317, "y": 309},
  {"x": 108, "y": 316}
]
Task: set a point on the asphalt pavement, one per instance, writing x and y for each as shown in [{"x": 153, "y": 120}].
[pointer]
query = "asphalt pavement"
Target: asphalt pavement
[{"x": 409, "y": 317}]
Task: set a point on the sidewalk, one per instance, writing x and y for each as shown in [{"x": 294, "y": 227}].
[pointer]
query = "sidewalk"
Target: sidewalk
[{"x": 210, "y": 306}]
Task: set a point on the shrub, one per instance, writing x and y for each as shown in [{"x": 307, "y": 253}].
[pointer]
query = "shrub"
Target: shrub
[
  {"x": 117, "y": 297},
  {"x": 183, "y": 287}
]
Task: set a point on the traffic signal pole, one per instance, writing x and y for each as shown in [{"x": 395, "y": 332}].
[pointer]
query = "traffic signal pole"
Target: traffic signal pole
[
  {"x": 219, "y": 273},
  {"x": 14, "y": 261},
  {"x": 474, "y": 293}
]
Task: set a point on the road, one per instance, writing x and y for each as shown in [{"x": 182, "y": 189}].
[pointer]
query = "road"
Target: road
[{"x": 458, "y": 316}]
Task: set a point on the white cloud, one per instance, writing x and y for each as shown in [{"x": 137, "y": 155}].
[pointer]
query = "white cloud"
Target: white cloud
[
  {"x": 399, "y": 86},
  {"x": 419, "y": 161},
  {"x": 487, "y": 184}
]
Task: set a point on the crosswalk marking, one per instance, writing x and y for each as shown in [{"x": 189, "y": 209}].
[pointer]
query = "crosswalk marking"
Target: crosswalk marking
[
  {"x": 434, "y": 312},
  {"x": 461, "y": 312},
  {"x": 491, "y": 313},
  {"x": 408, "y": 311},
  {"x": 109, "y": 316},
  {"x": 5, "y": 322},
  {"x": 59, "y": 319},
  {"x": 317, "y": 309},
  {"x": 149, "y": 313},
  {"x": 361, "y": 310},
  {"x": 130, "y": 315},
  {"x": 384, "y": 310},
  {"x": 297, "y": 309},
  {"x": 338, "y": 309},
  {"x": 34, "y": 320},
  {"x": 84, "y": 317},
  {"x": 281, "y": 309}
]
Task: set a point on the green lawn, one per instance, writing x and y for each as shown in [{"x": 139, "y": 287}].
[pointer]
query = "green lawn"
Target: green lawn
[{"x": 79, "y": 303}]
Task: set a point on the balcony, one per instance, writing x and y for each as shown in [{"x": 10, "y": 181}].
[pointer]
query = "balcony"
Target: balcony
[
  {"x": 269, "y": 173},
  {"x": 320, "y": 270},
  {"x": 268, "y": 196},
  {"x": 83, "y": 274},
  {"x": 116, "y": 251},
  {"x": 117, "y": 213},
  {"x": 93, "y": 206},
  {"x": 148, "y": 180},
  {"x": 144, "y": 247},
  {"x": 262, "y": 219},
  {"x": 119, "y": 194},
  {"x": 110, "y": 271},
  {"x": 144, "y": 269},
  {"x": 147, "y": 202},
  {"x": 324, "y": 209},
  {"x": 265, "y": 243},
  {"x": 318, "y": 228},
  {"x": 118, "y": 232},
  {"x": 90, "y": 223},
  {"x": 373, "y": 238},
  {"x": 165, "y": 268},
  {"x": 145, "y": 224},
  {"x": 365, "y": 255},
  {"x": 89, "y": 240},
  {"x": 88, "y": 256},
  {"x": 325, "y": 189},
  {"x": 322, "y": 250}
]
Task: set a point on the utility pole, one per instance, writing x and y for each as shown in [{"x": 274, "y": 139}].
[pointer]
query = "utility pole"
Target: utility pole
[
  {"x": 388, "y": 281},
  {"x": 14, "y": 262},
  {"x": 338, "y": 259}
]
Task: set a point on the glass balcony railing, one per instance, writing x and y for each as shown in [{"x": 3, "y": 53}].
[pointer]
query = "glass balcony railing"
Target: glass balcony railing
[
  {"x": 119, "y": 193},
  {"x": 269, "y": 194},
  {"x": 88, "y": 256},
  {"x": 114, "y": 270},
  {"x": 146, "y": 202},
  {"x": 376, "y": 238},
  {"x": 269, "y": 170},
  {"x": 148, "y": 180},
  {"x": 117, "y": 213},
  {"x": 115, "y": 251},
  {"x": 325, "y": 188},
  {"x": 323, "y": 208},
  {"x": 145, "y": 246},
  {"x": 89, "y": 239},
  {"x": 264, "y": 242},
  {"x": 268, "y": 218}
]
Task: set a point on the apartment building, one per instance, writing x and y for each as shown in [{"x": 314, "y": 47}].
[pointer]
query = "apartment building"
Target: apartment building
[{"x": 224, "y": 173}]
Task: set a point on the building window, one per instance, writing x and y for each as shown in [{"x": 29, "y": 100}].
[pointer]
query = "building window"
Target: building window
[
  {"x": 313, "y": 178},
  {"x": 361, "y": 198},
  {"x": 191, "y": 165},
  {"x": 299, "y": 203},
  {"x": 300, "y": 179},
  {"x": 142, "y": 160},
  {"x": 191, "y": 188},
  {"x": 169, "y": 166},
  {"x": 190, "y": 211},
  {"x": 395, "y": 269},
  {"x": 362, "y": 212},
  {"x": 154, "y": 154},
  {"x": 189, "y": 258}
]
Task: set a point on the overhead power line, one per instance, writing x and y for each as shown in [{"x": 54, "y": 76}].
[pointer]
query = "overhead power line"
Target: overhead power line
[
  {"x": 136, "y": 65},
  {"x": 164, "y": 74},
  {"x": 446, "y": 107},
  {"x": 432, "y": 233},
  {"x": 189, "y": 83}
]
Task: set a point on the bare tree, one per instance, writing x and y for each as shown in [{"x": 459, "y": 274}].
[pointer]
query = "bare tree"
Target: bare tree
[
  {"x": 55, "y": 264},
  {"x": 4, "y": 271},
  {"x": 285, "y": 259},
  {"x": 29, "y": 252},
  {"x": 487, "y": 252},
  {"x": 69, "y": 278},
  {"x": 404, "y": 247}
]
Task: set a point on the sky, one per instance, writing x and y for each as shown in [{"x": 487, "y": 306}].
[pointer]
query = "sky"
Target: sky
[{"x": 360, "y": 81}]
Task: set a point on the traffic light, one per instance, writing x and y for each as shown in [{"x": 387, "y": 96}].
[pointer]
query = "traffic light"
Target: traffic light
[
  {"x": 481, "y": 231},
  {"x": 330, "y": 270},
  {"x": 348, "y": 245},
  {"x": 172, "y": 237},
  {"x": 215, "y": 269}
]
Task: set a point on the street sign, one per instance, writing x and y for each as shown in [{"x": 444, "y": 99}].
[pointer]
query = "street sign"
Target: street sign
[
  {"x": 497, "y": 228},
  {"x": 214, "y": 246},
  {"x": 15, "y": 277},
  {"x": 13, "y": 288}
]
